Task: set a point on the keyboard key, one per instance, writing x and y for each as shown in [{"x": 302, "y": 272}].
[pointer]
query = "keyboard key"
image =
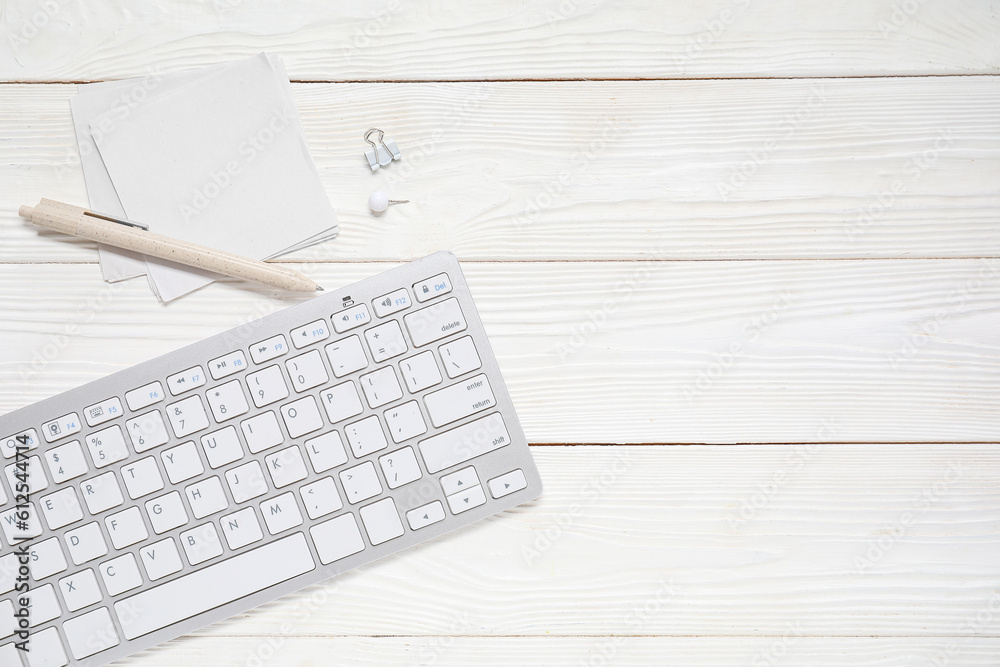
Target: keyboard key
[
  {"x": 27, "y": 438},
  {"x": 459, "y": 481},
  {"x": 391, "y": 303},
  {"x": 266, "y": 350},
  {"x": 187, "y": 416},
  {"x": 507, "y": 484},
  {"x": 80, "y": 590},
  {"x": 201, "y": 543},
  {"x": 90, "y": 633},
  {"x": 350, "y": 318},
  {"x": 206, "y": 497},
  {"x": 120, "y": 574},
  {"x": 310, "y": 333},
  {"x": 182, "y": 462},
  {"x": 381, "y": 521},
  {"x": 241, "y": 528},
  {"x": 267, "y": 386},
  {"x": 337, "y": 538},
  {"x": 464, "y": 443},
  {"x": 44, "y": 607},
  {"x": 61, "y": 508},
  {"x": 160, "y": 559},
  {"x": 144, "y": 396},
  {"x": 405, "y": 422},
  {"x": 307, "y": 371},
  {"x": 47, "y": 650},
  {"x": 459, "y": 400},
  {"x": 360, "y": 482},
  {"x": 466, "y": 500},
  {"x": 186, "y": 380},
  {"x": 126, "y": 528},
  {"x": 246, "y": 481},
  {"x": 227, "y": 364},
  {"x": 281, "y": 513},
  {"x": 107, "y": 446},
  {"x": 346, "y": 356},
  {"x": 60, "y": 428},
  {"x": 47, "y": 559},
  {"x": 227, "y": 401},
  {"x": 326, "y": 451},
  {"x": 30, "y": 472},
  {"x": 399, "y": 467},
  {"x": 365, "y": 436},
  {"x": 104, "y": 411},
  {"x": 301, "y": 417},
  {"x": 213, "y": 586},
  {"x": 435, "y": 322},
  {"x": 86, "y": 543},
  {"x": 222, "y": 447},
  {"x": 166, "y": 512},
  {"x": 381, "y": 387},
  {"x": 286, "y": 467},
  {"x": 16, "y": 529},
  {"x": 460, "y": 357},
  {"x": 147, "y": 431},
  {"x": 66, "y": 461},
  {"x": 420, "y": 372},
  {"x": 432, "y": 287},
  {"x": 142, "y": 477},
  {"x": 262, "y": 432},
  {"x": 341, "y": 402},
  {"x": 321, "y": 498},
  {"x": 102, "y": 493},
  {"x": 386, "y": 341},
  {"x": 8, "y": 573},
  {"x": 423, "y": 516}
]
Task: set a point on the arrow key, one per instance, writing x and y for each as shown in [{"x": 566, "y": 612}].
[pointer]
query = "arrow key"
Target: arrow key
[
  {"x": 423, "y": 516},
  {"x": 506, "y": 484},
  {"x": 466, "y": 500},
  {"x": 459, "y": 481}
]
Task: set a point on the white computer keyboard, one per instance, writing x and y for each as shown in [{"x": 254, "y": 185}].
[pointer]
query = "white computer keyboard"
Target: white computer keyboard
[{"x": 213, "y": 479}]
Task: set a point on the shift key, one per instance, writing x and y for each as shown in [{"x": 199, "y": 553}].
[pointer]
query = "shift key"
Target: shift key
[
  {"x": 435, "y": 322},
  {"x": 459, "y": 400}
]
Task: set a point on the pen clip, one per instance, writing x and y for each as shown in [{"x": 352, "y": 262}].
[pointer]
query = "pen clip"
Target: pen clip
[{"x": 120, "y": 221}]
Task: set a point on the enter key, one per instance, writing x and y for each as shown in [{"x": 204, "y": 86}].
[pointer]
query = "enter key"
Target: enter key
[{"x": 459, "y": 400}]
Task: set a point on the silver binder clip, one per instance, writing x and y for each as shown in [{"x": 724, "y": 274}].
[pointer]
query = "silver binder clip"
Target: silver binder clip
[{"x": 381, "y": 153}]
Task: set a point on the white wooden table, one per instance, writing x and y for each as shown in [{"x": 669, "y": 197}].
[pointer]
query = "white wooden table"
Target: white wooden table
[{"x": 740, "y": 263}]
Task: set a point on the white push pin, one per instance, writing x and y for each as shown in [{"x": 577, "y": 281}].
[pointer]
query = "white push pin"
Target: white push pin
[
  {"x": 382, "y": 153},
  {"x": 378, "y": 201}
]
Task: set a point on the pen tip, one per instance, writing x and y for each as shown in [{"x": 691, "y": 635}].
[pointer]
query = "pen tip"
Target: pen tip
[{"x": 319, "y": 289}]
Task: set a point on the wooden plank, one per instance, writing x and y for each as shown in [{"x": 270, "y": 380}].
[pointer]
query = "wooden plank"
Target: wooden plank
[
  {"x": 672, "y": 170},
  {"x": 395, "y": 40},
  {"x": 879, "y": 350}
]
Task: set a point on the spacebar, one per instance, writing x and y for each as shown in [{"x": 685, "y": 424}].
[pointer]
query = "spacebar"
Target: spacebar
[{"x": 213, "y": 586}]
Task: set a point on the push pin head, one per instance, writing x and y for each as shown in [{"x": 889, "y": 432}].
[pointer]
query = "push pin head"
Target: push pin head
[{"x": 378, "y": 201}]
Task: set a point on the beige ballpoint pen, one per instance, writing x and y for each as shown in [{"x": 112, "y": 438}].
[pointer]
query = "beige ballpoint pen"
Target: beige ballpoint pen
[{"x": 78, "y": 221}]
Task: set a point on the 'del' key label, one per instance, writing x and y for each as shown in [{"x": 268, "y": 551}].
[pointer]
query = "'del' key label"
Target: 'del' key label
[{"x": 432, "y": 287}]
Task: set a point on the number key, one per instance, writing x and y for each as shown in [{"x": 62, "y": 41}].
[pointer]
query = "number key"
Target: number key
[
  {"x": 107, "y": 446},
  {"x": 187, "y": 416},
  {"x": 227, "y": 401},
  {"x": 147, "y": 431},
  {"x": 66, "y": 461},
  {"x": 267, "y": 386},
  {"x": 307, "y": 371}
]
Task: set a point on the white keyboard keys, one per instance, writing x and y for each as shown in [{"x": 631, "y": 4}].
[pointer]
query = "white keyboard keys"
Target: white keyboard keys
[
  {"x": 286, "y": 467},
  {"x": 360, "y": 482},
  {"x": 44, "y": 607},
  {"x": 186, "y": 380},
  {"x": 326, "y": 451},
  {"x": 27, "y": 438},
  {"x": 80, "y": 590},
  {"x": 466, "y": 500},
  {"x": 341, "y": 402},
  {"x": 391, "y": 303},
  {"x": 227, "y": 364},
  {"x": 405, "y": 422},
  {"x": 306, "y": 371},
  {"x": 301, "y": 416},
  {"x": 106, "y": 410},
  {"x": 267, "y": 386},
  {"x": 420, "y": 372},
  {"x": 107, "y": 446},
  {"x": 399, "y": 467},
  {"x": 90, "y": 633},
  {"x": 142, "y": 477},
  {"x": 266, "y": 350},
  {"x": 432, "y": 287},
  {"x": 381, "y": 387},
  {"x": 120, "y": 574},
  {"x": 337, "y": 538},
  {"x": 465, "y": 478},
  {"x": 464, "y": 442},
  {"x": 222, "y": 447},
  {"x": 66, "y": 461},
  {"x": 281, "y": 513},
  {"x": 86, "y": 543},
  {"x": 147, "y": 431},
  {"x": 8, "y": 573},
  {"x": 61, "y": 427},
  {"x": 206, "y": 497},
  {"x": 246, "y": 481},
  {"x": 126, "y": 528},
  {"x": 346, "y": 356},
  {"x": 435, "y": 322},
  {"x": 460, "y": 356},
  {"x": 310, "y": 333},
  {"x": 504, "y": 485},
  {"x": 459, "y": 400},
  {"x": 241, "y": 528},
  {"x": 47, "y": 650},
  {"x": 166, "y": 512},
  {"x": 201, "y": 543},
  {"x": 215, "y": 585},
  {"x": 386, "y": 341},
  {"x": 182, "y": 462},
  {"x": 423, "y": 516},
  {"x": 144, "y": 396},
  {"x": 381, "y": 521},
  {"x": 27, "y": 472},
  {"x": 227, "y": 401},
  {"x": 321, "y": 498},
  {"x": 365, "y": 436},
  {"x": 350, "y": 318},
  {"x": 46, "y": 559},
  {"x": 262, "y": 432},
  {"x": 17, "y": 529},
  {"x": 101, "y": 493},
  {"x": 61, "y": 508},
  {"x": 187, "y": 416},
  {"x": 160, "y": 559}
]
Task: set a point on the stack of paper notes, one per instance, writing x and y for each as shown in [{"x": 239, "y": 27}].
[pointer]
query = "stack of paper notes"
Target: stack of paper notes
[{"x": 214, "y": 156}]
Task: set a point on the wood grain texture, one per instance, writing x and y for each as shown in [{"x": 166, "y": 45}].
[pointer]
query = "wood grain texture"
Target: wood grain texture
[
  {"x": 395, "y": 40},
  {"x": 608, "y": 170},
  {"x": 620, "y": 352}
]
